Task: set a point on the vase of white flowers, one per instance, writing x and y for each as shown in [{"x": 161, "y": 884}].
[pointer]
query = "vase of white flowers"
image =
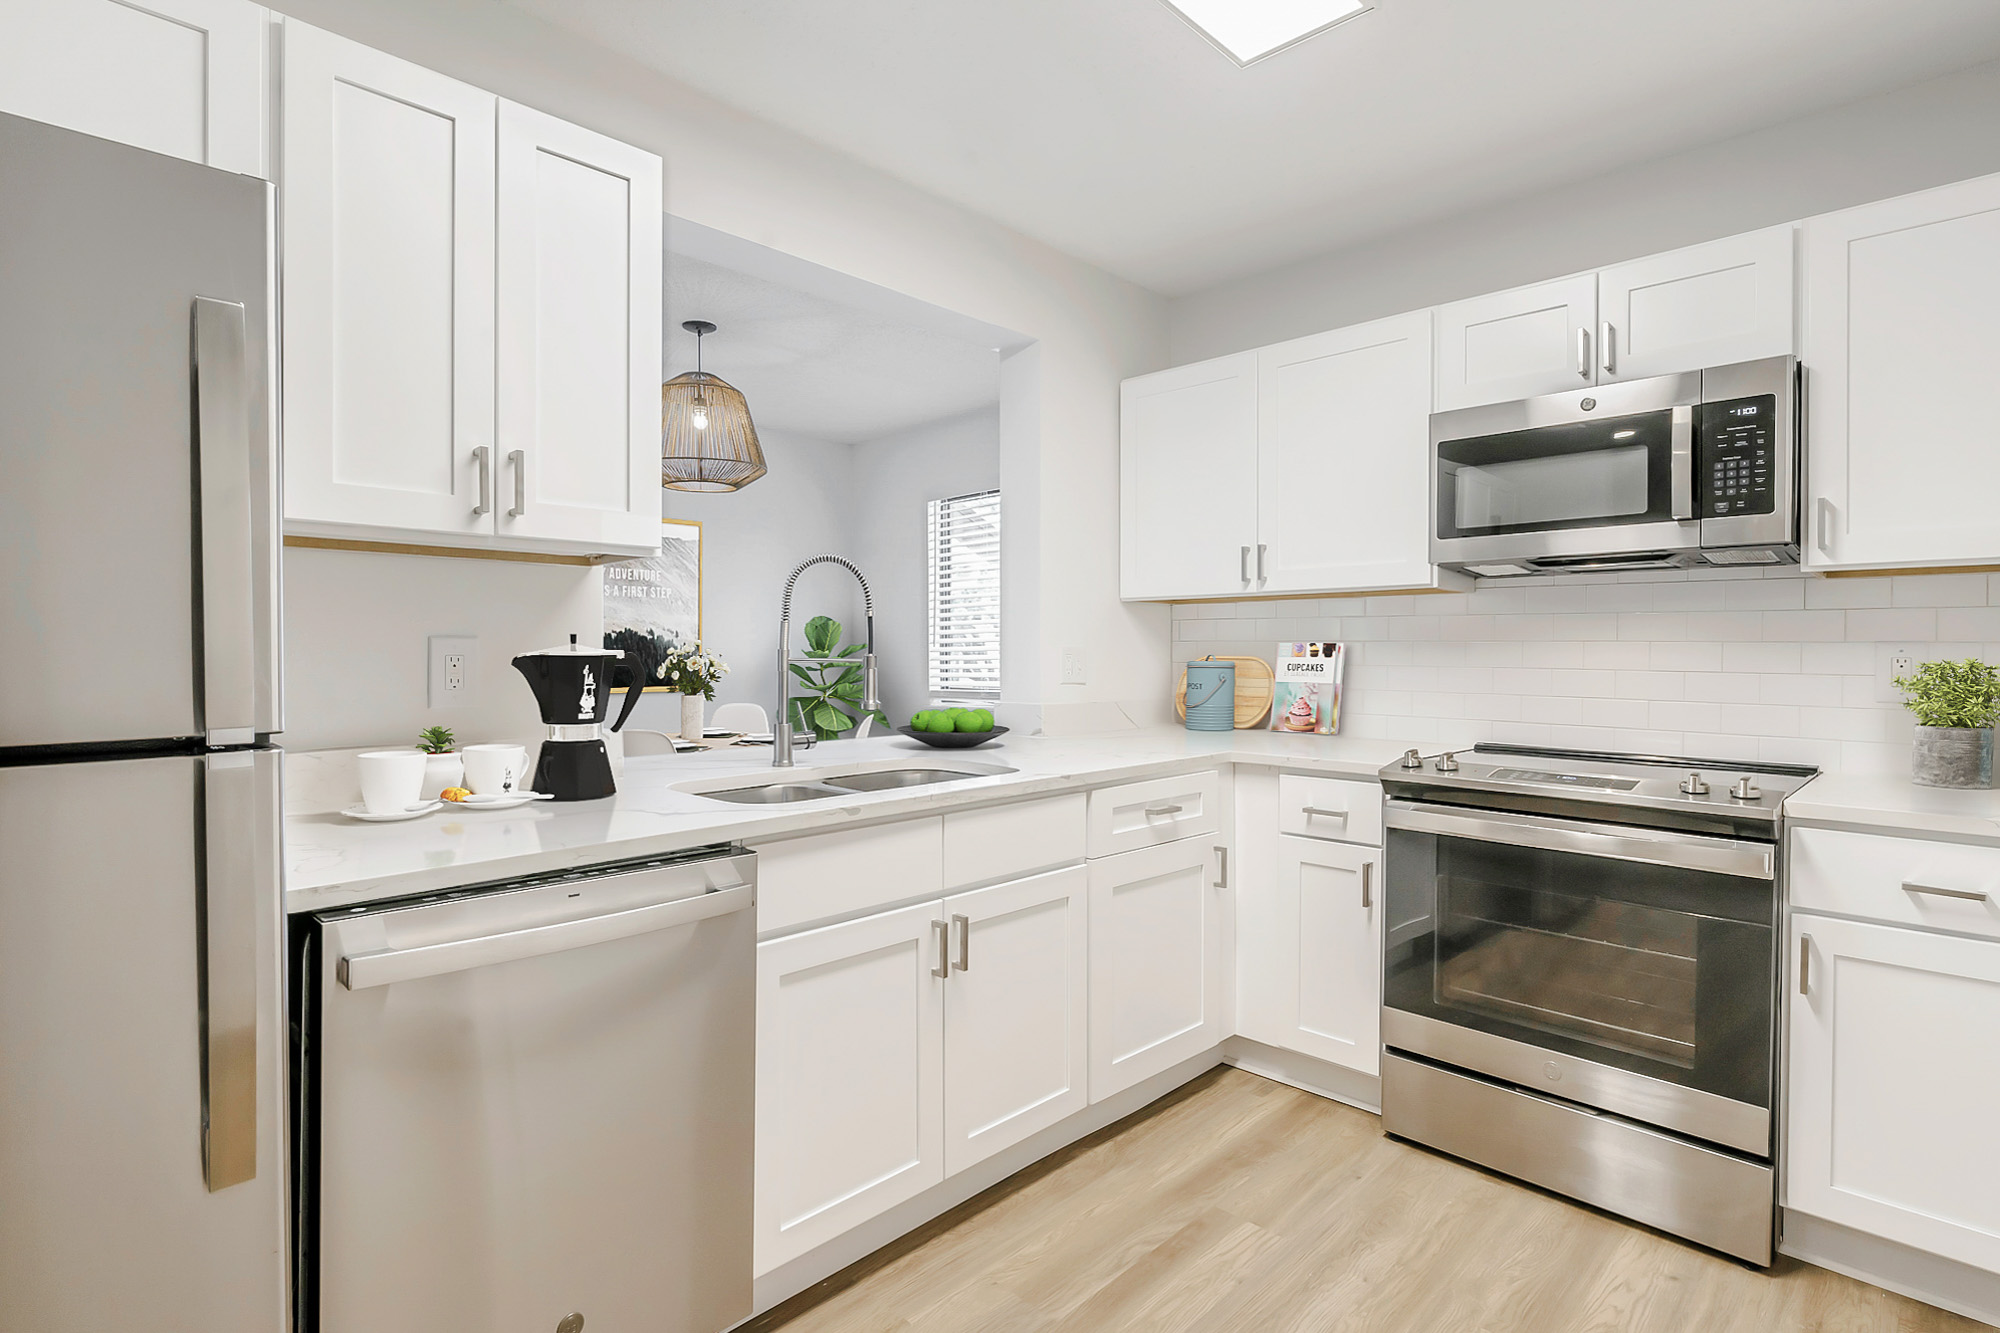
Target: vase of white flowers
[{"x": 693, "y": 671}]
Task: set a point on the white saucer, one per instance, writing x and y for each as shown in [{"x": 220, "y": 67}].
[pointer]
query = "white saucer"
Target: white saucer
[
  {"x": 394, "y": 816},
  {"x": 507, "y": 802}
]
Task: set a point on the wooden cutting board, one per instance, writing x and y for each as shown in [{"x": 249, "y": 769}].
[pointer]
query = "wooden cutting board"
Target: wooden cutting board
[{"x": 1255, "y": 683}]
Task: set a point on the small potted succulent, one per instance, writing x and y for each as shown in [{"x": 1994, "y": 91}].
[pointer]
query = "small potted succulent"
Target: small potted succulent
[
  {"x": 443, "y": 765},
  {"x": 693, "y": 672},
  {"x": 1955, "y": 704}
]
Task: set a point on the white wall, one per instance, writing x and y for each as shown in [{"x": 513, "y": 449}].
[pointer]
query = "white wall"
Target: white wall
[
  {"x": 1718, "y": 664},
  {"x": 896, "y": 478},
  {"x": 1931, "y": 133},
  {"x": 737, "y": 175},
  {"x": 356, "y": 651}
]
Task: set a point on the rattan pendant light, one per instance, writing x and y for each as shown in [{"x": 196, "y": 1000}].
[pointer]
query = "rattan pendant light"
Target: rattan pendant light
[{"x": 707, "y": 440}]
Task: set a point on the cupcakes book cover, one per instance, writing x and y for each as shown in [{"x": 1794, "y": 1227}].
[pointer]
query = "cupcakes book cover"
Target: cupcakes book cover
[{"x": 1307, "y": 693}]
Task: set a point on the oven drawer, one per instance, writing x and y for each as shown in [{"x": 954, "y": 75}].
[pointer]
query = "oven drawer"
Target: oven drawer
[
  {"x": 1332, "y": 808},
  {"x": 1146, "y": 814},
  {"x": 1908, "y": 881}
]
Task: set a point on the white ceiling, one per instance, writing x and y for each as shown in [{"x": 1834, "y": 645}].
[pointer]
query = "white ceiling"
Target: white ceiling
[
  {"x": 1111, "y": 130},
  {"x": 821, "y": 367}
]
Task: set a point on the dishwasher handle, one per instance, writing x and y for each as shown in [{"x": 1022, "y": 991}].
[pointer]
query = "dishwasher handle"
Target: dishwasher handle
[{"x": 382, "y": 967}]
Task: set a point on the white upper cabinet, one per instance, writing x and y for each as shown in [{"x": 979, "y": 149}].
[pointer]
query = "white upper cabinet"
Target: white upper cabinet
[
  {"x": 1902, "y": 334},
  {"x": 1708, "y": 305},
  {"x": 1188, "y": 480},
  {"x": 1343, "y": 486},
  {"x": 387, "y": 197},
  {"x": 1516, "y": 344},
  {"x": 1893, "y": 1092},
  {"x": 182, "y": 77},
  {"x": 578, "y": 323}
]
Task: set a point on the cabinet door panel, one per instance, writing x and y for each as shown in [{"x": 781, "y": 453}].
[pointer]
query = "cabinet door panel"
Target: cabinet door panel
[
  {"x": 1901, "y": 341},
  {"x": 1708, "y": 305},
  {"x": 1155, "y": 963},
  {"x": 578, "y": 324},
  {"x": 1343, "y": 477},
  {"x": 388, "y": 270},
  {"x": 1188, "y": 480},
  {"x": 182, "y": 77},
  {"x": 1017, "y": 1023},
  {"x": 1516, "y": 344},
  {"x": 850, "y": 1065},
  {"x": 1329, "y": 961},
  {"x": 1892, "y": 1092}
]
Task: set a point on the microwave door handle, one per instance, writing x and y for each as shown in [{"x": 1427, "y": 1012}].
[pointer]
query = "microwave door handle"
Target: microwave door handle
[{"x": 1683, "y": 462}]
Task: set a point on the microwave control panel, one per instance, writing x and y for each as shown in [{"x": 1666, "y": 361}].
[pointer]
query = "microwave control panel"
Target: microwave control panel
[{"x": 1736, "y": 454}]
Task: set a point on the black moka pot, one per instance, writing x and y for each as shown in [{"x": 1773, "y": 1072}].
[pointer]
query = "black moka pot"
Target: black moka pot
[{"x": 573, "y": 687}]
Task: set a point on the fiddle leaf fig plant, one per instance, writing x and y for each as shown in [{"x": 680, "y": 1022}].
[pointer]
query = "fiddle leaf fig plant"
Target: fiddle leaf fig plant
[
  {"x": 828, "y": 701},
  {"x": 1952, "y": 694}
]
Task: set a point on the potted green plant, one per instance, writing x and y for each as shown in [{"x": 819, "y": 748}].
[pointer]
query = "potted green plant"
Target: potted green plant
[
  {"x": 1955, "y": 703},
  {"x": 827, "y": 698},
  {"x": 692, "y": 671},
  {"x": 443, "y": 766}
]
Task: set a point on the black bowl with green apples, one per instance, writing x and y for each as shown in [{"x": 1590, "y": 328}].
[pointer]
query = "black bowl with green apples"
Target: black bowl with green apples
[{"x": 953, "y": 728}]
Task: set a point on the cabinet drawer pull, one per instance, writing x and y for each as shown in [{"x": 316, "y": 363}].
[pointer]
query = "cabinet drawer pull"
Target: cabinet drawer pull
[
  {"x": 1245, "y": 564},
  {"x": 1221, "y": 868},
  {"x": 1823, "y": 520},
  {"x": 1153, "y": 810},
  {"x": 1309, "y": 811},
  {"x": 1367, "y": 874},
  {"x": 1261, "y": 548},
  {"x": 483, "y": 455},
  {"x": 519, "y": 459},
  {"x": 964, "y": 924},
  {"x": 1583, "y": 352},
  {"x": 1970, "y": 895},
  {"x": 943, "y": 932},
  {"x": 1605, "y": 356},
  {"x": 1805, "y": 964}
]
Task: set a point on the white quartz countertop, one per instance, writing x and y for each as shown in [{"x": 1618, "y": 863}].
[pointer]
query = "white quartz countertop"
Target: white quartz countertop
[
  {"x": 333, "y": 861},
  {"x": 1892, "y": 803}
]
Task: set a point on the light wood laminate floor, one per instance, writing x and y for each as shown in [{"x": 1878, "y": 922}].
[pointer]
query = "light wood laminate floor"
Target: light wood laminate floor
[{"x": 1240, "y": 1203}]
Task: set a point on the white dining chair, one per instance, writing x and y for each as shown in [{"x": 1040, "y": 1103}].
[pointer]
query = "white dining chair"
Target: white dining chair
[
  {"x": 750, "y": 719},
  {"x": 639, "y": 741}
]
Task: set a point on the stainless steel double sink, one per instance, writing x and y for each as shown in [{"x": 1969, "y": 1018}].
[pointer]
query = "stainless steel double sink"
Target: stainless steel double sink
[{"x": 789, "y": 791}]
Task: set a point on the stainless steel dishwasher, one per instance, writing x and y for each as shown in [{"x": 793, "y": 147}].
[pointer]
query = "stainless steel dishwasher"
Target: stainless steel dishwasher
[{"x": 529, "y": 1106}]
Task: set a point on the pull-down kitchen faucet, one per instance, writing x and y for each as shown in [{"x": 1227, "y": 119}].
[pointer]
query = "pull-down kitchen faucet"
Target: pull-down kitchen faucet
[{"x": 781, "y": 729}]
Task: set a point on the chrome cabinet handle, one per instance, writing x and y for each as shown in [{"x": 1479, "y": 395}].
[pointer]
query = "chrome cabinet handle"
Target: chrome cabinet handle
[
  {"x": 1153, "y": 810},
  {"x": 1605, "y": 357},
  {"x": 1367, "y": 874},
  {"x": 1682, "y": 470},
  {"x": 1823, "y": 516},
  {"x": 964, "y": 924},
  {"x": 227, "y": 536},
  {"x": 1245, "y": 564},
  {"x": 1309, "y": 811},
  {"x": 233, "y": 788},
  {"x": 519, "y": 458},
  {"x": 1970, "y": 895},
  {"x": 483, "y": 455},
  {"x": 1805, "y": 963},
  {"x": 943, "y": 931},
  {"x": 1583, "y": 353},
  {"x": 1221, "y": 868},
  {"x": 1261, "y": 548}
]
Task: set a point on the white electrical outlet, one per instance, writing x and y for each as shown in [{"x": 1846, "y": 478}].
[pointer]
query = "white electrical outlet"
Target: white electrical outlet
[
  {"x": 1893, "y": 660},
  {"x": 451, "y": 676},
  {"x": 1072, "y": 666}
]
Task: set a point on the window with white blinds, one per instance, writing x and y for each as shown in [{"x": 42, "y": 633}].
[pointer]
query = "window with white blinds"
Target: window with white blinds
[{"x": 965, "y": 594}]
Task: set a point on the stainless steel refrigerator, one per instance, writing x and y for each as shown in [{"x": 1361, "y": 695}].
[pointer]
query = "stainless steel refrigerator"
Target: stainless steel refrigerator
[{"x": 141, "y": 1026}]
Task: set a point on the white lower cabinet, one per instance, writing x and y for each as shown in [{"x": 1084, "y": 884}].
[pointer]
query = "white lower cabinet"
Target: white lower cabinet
[
  {"x": 1156, "y": 965},
  {"x": 1327, "y": 963},
  {"x": 1893, "y": 1090},
  {"x": 850, "y": 1076},
  {"x": 1017, "y": 1012}
]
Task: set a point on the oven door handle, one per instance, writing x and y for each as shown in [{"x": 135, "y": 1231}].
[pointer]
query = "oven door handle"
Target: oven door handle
[
  {"x": 1618, "y": 842},
  {"x": 1683, "y": 462}
]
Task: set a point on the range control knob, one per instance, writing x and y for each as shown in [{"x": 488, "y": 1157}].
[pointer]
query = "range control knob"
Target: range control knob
[
  {"x": 1446, "y": 763},
  {"x": 1746, "y": 789},
  {"x": 1694, "y": 785},
  {"x": 1412, "y": 759}
]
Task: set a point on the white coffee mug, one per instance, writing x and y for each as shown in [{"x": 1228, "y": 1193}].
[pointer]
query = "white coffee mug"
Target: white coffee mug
[
  {"x": 391, "y": 780},
  {"x": 496, "y": 770}
]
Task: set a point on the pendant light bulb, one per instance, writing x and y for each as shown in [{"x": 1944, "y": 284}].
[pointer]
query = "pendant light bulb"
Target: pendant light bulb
[{"x": 699, "y": 415}]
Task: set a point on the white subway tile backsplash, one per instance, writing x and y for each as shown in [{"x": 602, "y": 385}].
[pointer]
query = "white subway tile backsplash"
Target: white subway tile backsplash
[{"x": 1722, "y": 664}]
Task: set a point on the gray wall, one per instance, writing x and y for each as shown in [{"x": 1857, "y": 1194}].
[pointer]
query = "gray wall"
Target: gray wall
[{"x": 1930, "y": 133}]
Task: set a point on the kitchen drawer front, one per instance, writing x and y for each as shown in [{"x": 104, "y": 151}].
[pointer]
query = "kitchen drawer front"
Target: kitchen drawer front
[
  {"x": 1148, "y": 814},
  {"x": 1007, "y": 841},
  {"x": 831, "y": 875},
  {"x": 1333, "y": 808},
  {"x": 1869, "y": 875}
]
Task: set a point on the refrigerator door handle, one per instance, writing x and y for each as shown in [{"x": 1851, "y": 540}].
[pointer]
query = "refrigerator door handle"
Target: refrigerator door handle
[
  {"x": 228, "y": 596},
  {"x": 238, "y": 798}
]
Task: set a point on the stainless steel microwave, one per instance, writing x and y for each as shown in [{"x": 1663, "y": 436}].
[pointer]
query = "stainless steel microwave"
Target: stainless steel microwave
[{"x": 1664, "y": 473}]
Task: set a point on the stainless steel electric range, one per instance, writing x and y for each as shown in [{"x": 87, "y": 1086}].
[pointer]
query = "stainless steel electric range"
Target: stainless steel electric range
[{"x": 1580, "y": 977}]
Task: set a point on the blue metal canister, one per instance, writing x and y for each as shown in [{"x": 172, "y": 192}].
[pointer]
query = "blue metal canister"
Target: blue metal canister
[{"x": 1211, "y": 695}]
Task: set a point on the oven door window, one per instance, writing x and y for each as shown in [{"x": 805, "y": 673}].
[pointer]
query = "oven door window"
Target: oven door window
[
  {"x": 1584, "y": 474},
  {"x": 1662, "y": 971}
]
